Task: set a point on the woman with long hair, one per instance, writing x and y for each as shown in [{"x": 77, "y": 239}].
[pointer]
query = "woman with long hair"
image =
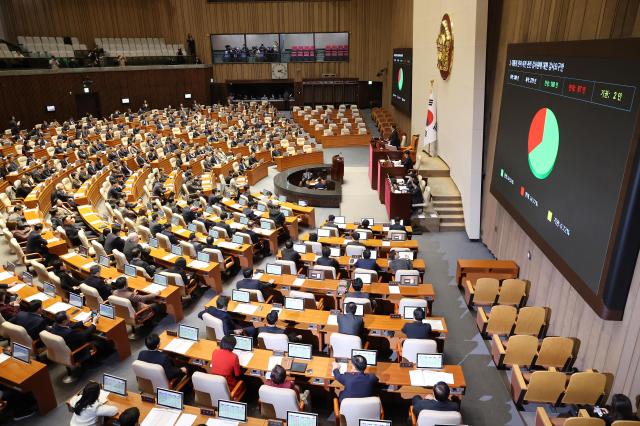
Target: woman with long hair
[
  {"x": 621, "y": 409},
  {"x": 88, "y": 409}
]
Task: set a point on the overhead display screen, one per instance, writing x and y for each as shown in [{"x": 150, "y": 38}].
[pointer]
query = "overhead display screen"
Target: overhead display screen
[
  {"x": 402, "y": 77},
  {"x": 566, "y": 156}
]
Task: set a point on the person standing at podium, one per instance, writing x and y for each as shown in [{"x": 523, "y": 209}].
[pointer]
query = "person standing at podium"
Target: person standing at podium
[{"x": 394, "y": 137}]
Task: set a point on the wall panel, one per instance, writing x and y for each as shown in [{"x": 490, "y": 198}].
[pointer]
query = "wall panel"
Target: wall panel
[{"x": 610, "y": 346}]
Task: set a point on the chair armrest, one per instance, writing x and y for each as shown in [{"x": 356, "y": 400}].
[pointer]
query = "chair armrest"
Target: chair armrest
[
  {"x": 336, "y": 410},
  {"x": 481, "y": 320},
  {"x": 32, "y": 255},
  {"x": 497, "y": 351},
  {"x": 399, "y": 349},
  {"x": 269, "y": 299},
  {"x": 583, "y": 413},
  {"x": 366, "y": 345},
  {"x": 80, "y": 349},
  {"x": 412, "y": 416},
  {"x": 301, "y": 405},
  {"x": 143, "y": 312},
  {"x": 320, "y": 304},
  {"x": 177, "y": 385},
  {"x": 469, "y": 292},
  {"x": 238, "y": 391},
  {"x": 498, "y": 344},
  {"x": 518, "y": 379},
  {"x": 542, "y": 418}
]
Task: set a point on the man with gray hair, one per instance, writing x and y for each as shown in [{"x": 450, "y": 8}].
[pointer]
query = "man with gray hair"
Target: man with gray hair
[
  {"x": 132, "y": 242},
  {"x": 96, "y": 281}
]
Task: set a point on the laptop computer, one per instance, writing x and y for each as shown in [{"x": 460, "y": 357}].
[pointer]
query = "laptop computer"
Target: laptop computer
[{"x": 299, "y": 351}]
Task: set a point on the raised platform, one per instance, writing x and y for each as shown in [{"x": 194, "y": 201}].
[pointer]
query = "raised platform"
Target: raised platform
[
  {"x": 286, "y": 183},
  {"x": 445, "y": 196}
]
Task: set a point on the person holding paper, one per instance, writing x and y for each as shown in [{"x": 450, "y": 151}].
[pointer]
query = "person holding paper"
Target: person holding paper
[
  {"x": 87, "y": 408},
  {"x": 154, "y": 356},
  {"x": 357, "y": 384},
  {"x": 417, "y": 329},
  {"x": 439, "y": 401},
  {"x": 224, "y": 362}
]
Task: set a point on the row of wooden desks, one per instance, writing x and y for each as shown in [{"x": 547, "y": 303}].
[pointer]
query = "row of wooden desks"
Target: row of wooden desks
[
  {"x": 378, "y": 229},
  {"x": 383, "y": 245},
  {"x": 472, "y": 269},
  {"x": 55, "y": 244},
  {"x": 306, "y": 213},
  {"x": 319, "y": 370},
  {"x": 210, "y": 272},
  {"x": 345, "y": 262},
  {"x": 299, "y": 159}
]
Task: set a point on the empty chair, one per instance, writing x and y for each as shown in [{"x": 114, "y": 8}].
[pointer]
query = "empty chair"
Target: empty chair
[
  {"x": 273, "y": 341},
  {"x": 351, "y": 410},
  {"x": 210, "y": 388},
  {"x": 152, "y": 376},
  {"x": 288, "y": 266},
  {"x": 340, "y": 345},
  {"x": 542, "y": 386},
  {"x": 532, "y": 320},
  {"x": 17, "y": 333},
  {"x": 316, "y": 247},
  {"x": 500, "y": 321},
  {"x": 353, "y": 250},
  {"x": 558, "y": 352},
  {"x": 512, "y": 292},
  {"x": 58, "y": 351},
  {"x": 121, "y": 259},
  {"x": 226, "y": 263},
  {"x": 406, "y": 273},
  {"x": 329, "y": 271},
  {"x": 124, "y": 309},
  {"x": 585, "y": 388},
  {"x": 188, "y": 249},
  {"x": 484, "y": 292},
  {"x": 91, "y": 297},
  {"x": 543, "y": 419},
  {"x": 520, "y": 350},
  {"x": 275, "y": 402},
  {"x": 309, "y": 299},
  {"x": 412, "y": 347}
]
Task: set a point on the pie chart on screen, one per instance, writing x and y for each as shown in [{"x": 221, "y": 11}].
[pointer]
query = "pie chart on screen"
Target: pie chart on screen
[
  {"x": 400, "y": 79},
  {"x": 544, "y": 140}
]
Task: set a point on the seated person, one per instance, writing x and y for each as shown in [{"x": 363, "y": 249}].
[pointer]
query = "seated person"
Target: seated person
[
  {"x": 129, "y": 417},
  {"x": 138, "y": 301},
  {"x": 96, "y": 281},
  {"x": 350, "y": 323},
  {"x": 407, "y": 163},
  {"x": 87, "y": 408},
  {"x": 228, "y": 324},
  {"x": 75, "y": 334},
  {"x": 439, "y": 401},
  {"x": 397, "y": 226},
  {"x": 396, "y": 264},
  {"x": 321, "y": 184},
  {"x": 366, "y": 262},
  {"x": 330, "y": 223},
  {"x": 357, "y": 384},
  {"x": 67, "y": 281},
  {"x": 250, "y": 283},
  {"x": 288, "y": 253},
  {"x": 226, "y": 363},
  {"x": 417, "y": 329},
  {"x": 30, "y": 319},
  {"x": 113, "y": 240},
  {"x": 621, "y": 409},
  {"x": 153, "y": 355},
  {"x": 180, "y": 268},
  {"x": 278, "y": 379},
  {"x": 136, "y": 260},
  {"x": 325, "y": 260},
  {"x": 356, "y": 290}
]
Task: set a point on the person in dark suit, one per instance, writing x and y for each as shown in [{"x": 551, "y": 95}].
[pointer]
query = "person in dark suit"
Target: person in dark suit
[
  {"x": 67, "y": 281},
  {"x": 189, "y": 214},
  {"x": 180, "y": 268},
  {"x": 71, "y": 230},
  {"x": 288, "y": 253},
  {"x": 276, "y": 215},
  {"x": 113, "y": 240},
  {"x": 272, "y": 319},
  {"x": 439, "y": 401},
  {"x": 621, "y": 409},
  {"x": 350, "y": 323},
  {"x": 137, "y": 260},
  {"x": 357, "y": 384},
  {"x": 74, "y": 334},
  {"x": 228, "y": 324},
  {"x": 397, "y": 226},
  {"x": 37, "y": 244},
  {"x": 394, "y": 137},
  {"x": 356, "y": 290},
  {"x": 94, "y": 280},
  {"x": 407, "y": 163},
  {"x": 154, "y": 356},
  {"x": 366, "y": 262},
  {"x": 252, "y": 284},
  {"x": 222, "y": 224},
  {"x": 396, "y": 264},
  {"x": 330, "y": 223},
  {"x": 417, "y": 329},
  {"x": 31, "y": 319},
  {"x": 325, "y": 260}
]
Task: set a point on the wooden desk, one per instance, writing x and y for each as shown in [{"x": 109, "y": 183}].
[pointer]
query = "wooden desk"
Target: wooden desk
[
  {"x": 55, "y": 244},
  {"x": 377, "y": 229},
  {"x": 383, "y": 246},
  {"x": 398, "y": 203},
  {"x": 114, "y": 330},
  {"x": 306, "y": 213},
  {"x": 258, "y": 173},
  {"x": 30, "y": 378},
  {"x": 375, "y": 155},
  {"x": 170, "y": 295},
  {"x": 210, "y": 273},
  {"x": 288, "y": 162},
  {"x": 382, "y": 262},
  {"x": 386, "y": 169},
  {"x": 473, "y": 269},
  {"x": 319, "y": 369}
]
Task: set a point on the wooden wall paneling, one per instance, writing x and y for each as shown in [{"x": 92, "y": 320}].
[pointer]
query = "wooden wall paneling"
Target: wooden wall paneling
[{"x": 605, "y": 345}]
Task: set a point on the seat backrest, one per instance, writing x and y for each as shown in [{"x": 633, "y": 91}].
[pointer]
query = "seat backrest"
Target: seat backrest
[
  {"x": 274, "y": 341},
  {"x": 486, "y": 290},
  {"x": 406, "y": 273},
  {"x": 98, "y": 248},
  {"x": 123, "y": 307},
  {"x": 255, "y": 295},
  {"x": 353, "y": 250},
  {"x": 41, "y": 271},
  {"x": 329, "y": 271},
  {"x": 501, "y": 319},
  {"x": 16, "y": 333},
  {"x": 358, "y": 301},
  {"x": 287, "y": 264},
  {"x": 316, "y": 247},
  {"x": 374, "y": 274},
  {"x": 521, "y": 349},
  {"x": 354, "y": 409},
  {"x": 342, "y": 344},
  {"x": 188, "y": 248},
  {"x": 91, "y": 296},
  {"x": 412, "y": 347},
  {"x": 57, "y": 349},
  {"x": 213, "y": 327},
  {"x": 282, "y": 400},
  {"x": 209, "y": 389},
  {"x": 594, "y": 421},
  {"x": 545, "y": 386},
  {"x": 555, "y": 352},
  {"x": 531, "y": 320},
  {"x": 149, "y": 376},
  {"x": 616, "y": 423},
  {"x": 163, "y": 241},
  {"x": 433, "y": 418},
  {"x": 512, "y": 292},
  {"x": 585, "y": 388},
  {"x": 121, "y": 259},
  {"x": 411, "y": 302},
  {"x": 175, "y": 279}
]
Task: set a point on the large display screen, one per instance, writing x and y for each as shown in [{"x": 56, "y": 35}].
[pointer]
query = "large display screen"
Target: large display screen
[
  {"x": 565, "y": 160},
  {"x": 402, "y": 76}
]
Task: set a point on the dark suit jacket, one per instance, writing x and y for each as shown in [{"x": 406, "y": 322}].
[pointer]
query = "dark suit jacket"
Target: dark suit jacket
[
  {"x": 99, "y": 284},
  {"x": 356, "y": 385},
  {"x": 417, "y": 330},
  {"x": 328, "y": 261},
  {"x": 162, "y": 359},
  {"x": 35, "y": 243},
  {"x": 128, "y": 249},
  {"x": 350, "y": 324},
  {"x": 74, "y": 336},
  {"x": 367, "y": 264},
  {"x": 227, "y": 322},
  {"x": 420, "y": 404},
  {"x": 113, "y": 241},
  {"x": 251, "y": 284},
  {"x": 290, "y": 254},
  {"x": 394, "y": 139},
  {"x": 270, "y": 329},
  {"x": 31, "y": 322}
]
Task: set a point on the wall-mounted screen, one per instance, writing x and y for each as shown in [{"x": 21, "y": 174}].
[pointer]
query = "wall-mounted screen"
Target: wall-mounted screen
[
  {"x": 566, "y": 165},
  {"x": 402, "y": 79}
]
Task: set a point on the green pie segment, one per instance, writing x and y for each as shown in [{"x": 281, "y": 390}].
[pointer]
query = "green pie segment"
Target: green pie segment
[
  {"x": 544, "y": 140},
  {"x": 400, "y": 79}
]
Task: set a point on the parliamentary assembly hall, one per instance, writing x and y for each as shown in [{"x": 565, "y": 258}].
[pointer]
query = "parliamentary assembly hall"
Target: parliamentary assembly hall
[{"x": 320, "y": 212}]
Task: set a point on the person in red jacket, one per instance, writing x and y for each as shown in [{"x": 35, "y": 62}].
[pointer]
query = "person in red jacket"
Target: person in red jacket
[{"x": 224, "y": 362}]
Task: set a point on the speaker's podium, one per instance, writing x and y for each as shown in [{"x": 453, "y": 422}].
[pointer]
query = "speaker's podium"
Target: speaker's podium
[
  {"x": 377, "y": 152},
  {"x": 397, "y": 200}
]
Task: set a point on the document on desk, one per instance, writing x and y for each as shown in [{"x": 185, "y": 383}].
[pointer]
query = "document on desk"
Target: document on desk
[
  {"x": 16, "y": 288},
  {"x": 394, "y": 289},
  {"x": 429, "y": 377},
  {"x": 332, "y": 320},
  {"x": 186, "y": 419},
  {"x": 386, "y": 244},
  {"x": 3, "y": 357},
  {"x": 245, "y": 308},
  {"x": 179, "y": 346},
  {"x": 435, "y": 324},
  {"x": 89, "y": 265},
  {"x": 244, "y": 357},
  {"x": 67, "y": 255},
  {"x": 257, "y": 275},
  {"x": 169, "y": 257},
  {"x": 298, "y": 282},
  {"x": 343, "y": 367},
  {"x": 161, "y": 416},
  {"x": 38, "y": 296},
  {"x": 82, "y": 316},
  {"x": 229, "y": 245},
  {"x": 5, "y": 274},
  {"x": 237, "y": 206},
  {"x": 236, "y": 225},
  {"x": 154, "y": 288},
  {"x": 220, "y": 422},
  {"x": 58, "y": 307},
  {"x": 273, "y": 361},
  {"x": 53, "y": 240},
  {"x": 198, "y": 264}
]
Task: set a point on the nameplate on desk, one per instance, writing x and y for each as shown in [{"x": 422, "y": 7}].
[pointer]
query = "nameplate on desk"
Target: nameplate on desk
[
  {"x": 278, "y": 353},
  {"x": 256, "y": 373},
  {"x": 275, "y": 423},
  {"x": 429, "y": 298},
  {"x": 406, "y": 364},
  {"x": 313, "y": 326},
  {"x": 395, "y": 316},
  {"x": 285, "y": 288},
  {"x": 147, "y": 398},
  {"x": 172, "y": 333},
  {"x": 207, "y": 412}
]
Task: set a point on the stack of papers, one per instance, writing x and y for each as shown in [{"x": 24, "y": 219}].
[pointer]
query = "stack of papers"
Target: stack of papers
[
  {"x": 257, "y": 275},
  {"x": 298, "y": 282},
  {"x": 394, "y": 289},
  {"x": 82, "y": 316},
  {"x": 220, "y": 422},
  {"x": 153, "y": 288},
  {"x": 161, "y": 416},
  {"x": 429, "y": 377},
  {"x": 229, "y": 245},
  {"x": 67, "y": 255},
  {"x": 88, "y": 265},
  {"x": 58, "y": 307},
  {"x": 186, "y": 419},
  {"x": 435, "y": 324},
  {"x": 179, "y": 346},
  {"x": 273, "y": 361},
  {"x": 245, "y": 308},
  {"x": 332, "y": 320},
  {"x": 5, "y": 274},
  {"x": 16, "y": 288},
  {"x": 169, "y": 257},
  {"x": 3, "y": 357},
  {"x": 244, "y": 357},
  {"x": 198, "y": 264},
  {"x": 37, "y": 296},
  {"x": 386, "y": 243}
]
